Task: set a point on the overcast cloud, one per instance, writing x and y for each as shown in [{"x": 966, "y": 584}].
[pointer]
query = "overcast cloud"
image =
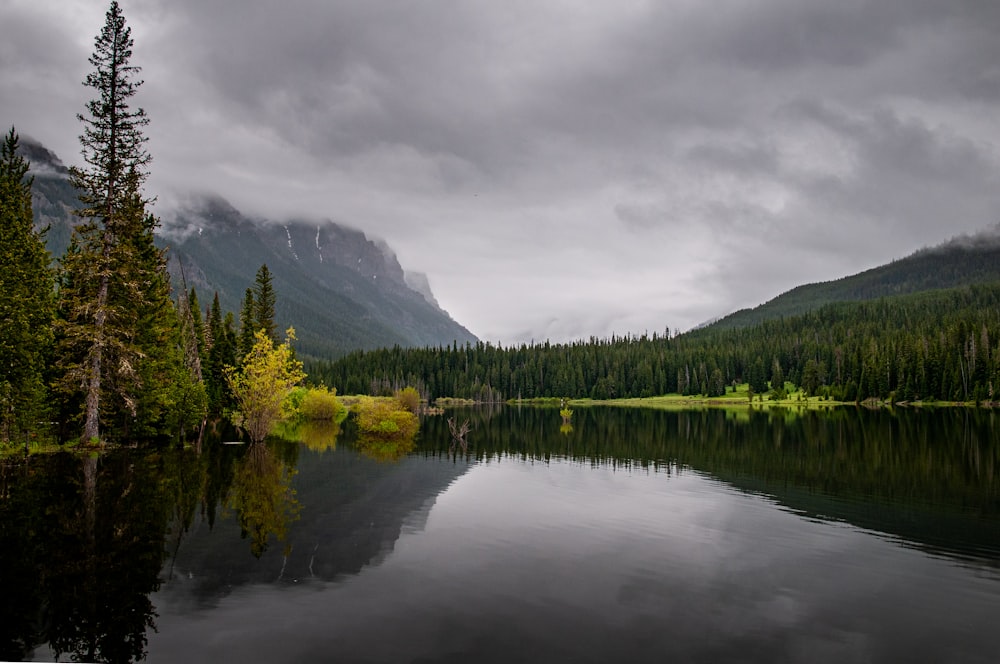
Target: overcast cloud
[{"x": 559, "y": 169}]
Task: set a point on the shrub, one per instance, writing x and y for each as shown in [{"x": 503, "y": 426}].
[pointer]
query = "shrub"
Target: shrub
[
  {"x": 320, "y": 403},
  {"x": 384, "y": 418},
  {"x": 409, "y": 399},
  {"x": 290, "y": 406}
]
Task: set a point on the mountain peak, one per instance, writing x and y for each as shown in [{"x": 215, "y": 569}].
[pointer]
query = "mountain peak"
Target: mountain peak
[{"x": 419, "y": 282}]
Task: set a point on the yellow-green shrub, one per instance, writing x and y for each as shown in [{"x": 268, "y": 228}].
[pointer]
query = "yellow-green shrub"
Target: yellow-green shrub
[
  {"x": 320, "y": 403},
  {"x": 409, "y": 399},
  {"x": 384, "y": 418}
]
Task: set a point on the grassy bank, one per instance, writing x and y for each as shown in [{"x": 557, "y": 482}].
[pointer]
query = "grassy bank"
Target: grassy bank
[{"x": 740, "y": 398}]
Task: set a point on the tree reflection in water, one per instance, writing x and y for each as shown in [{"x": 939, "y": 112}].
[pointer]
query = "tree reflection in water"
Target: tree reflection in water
[
  {"x": 83, "y": 548},
  {"x": 385, "y": 449},
  {"x": 83, "y": 538},
  {"x": 317, "y": 435},
  {"x": 262, "y": 497}
]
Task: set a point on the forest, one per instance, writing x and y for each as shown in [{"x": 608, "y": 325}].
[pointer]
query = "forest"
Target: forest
[
  {"x": 98, "y": 345},
  {"x": 940, "y": 345}
]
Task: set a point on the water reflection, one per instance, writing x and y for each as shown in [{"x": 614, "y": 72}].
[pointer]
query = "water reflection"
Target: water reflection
[
  {"x": 385, "y": 450},
  {"x": 83, "y": 545},
  {"x": 263, "y": 498},
  {"x": 90, "y": 544},
  {"x": 928, "y": 477},
  {"x": 348, "y": 511},
  {"x": 317, "y": 435}
]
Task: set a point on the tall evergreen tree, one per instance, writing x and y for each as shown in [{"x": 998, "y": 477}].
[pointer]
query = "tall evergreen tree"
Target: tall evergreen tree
[
  {"x": 263, "y": 304},
  {"x": 221, "y": 354},
  {"x": 777, "y": 377},
  {"x": 166, "y": 394},
  {"x": 26, "y": 295},
  {"x": 114, "y": 292},
  {"x": 192, "y": 332},
  {"x": 198, "y": 324},
  {"x": 248, "y": 324}
]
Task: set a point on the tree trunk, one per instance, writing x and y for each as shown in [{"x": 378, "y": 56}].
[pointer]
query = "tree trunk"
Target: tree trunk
[{"x": 91, "y": 427}]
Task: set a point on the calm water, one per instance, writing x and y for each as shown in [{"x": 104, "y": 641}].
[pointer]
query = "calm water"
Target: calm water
[{"x": 632, "y": 536}]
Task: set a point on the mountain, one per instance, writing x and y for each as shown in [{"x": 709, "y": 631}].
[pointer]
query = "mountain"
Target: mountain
[
  {"x": 962, "y": 261},
  {"x": 340, "y": 290}
]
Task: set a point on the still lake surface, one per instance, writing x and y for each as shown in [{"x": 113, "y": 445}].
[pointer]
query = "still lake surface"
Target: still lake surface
[{"x": 633, "y": 535}]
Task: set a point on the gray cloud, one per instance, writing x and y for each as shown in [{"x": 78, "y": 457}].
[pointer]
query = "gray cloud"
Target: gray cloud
[{"x": 560, "y": 170}]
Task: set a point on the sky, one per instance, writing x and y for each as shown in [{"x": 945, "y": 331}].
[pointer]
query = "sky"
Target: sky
[{"x": 558, "y": 169}]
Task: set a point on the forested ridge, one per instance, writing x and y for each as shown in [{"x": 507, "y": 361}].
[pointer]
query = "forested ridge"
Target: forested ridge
[
  {"x": 935, "y": 345},
  {"x": 960, "y": 262}
]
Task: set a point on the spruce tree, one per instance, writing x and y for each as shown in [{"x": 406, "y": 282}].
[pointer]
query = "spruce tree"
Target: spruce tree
[
  {"x": 263, "y": 304},
  {"x": 166, "y": 395},
  {"x": 198, "y": 325},
  {"x": 248, "y": 324},
  {"x": 26, "y": 296},
  {"x": 221, "y": 354},
  {"x": 777, "y": 379},
  {"x": 117, "y": 337}
]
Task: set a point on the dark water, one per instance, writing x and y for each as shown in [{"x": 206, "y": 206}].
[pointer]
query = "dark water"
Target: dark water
[{"x": 631, "y": 536}]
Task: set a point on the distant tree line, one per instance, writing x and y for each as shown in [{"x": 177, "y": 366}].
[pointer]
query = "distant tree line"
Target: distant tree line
[{"x": 937, "y": 345}]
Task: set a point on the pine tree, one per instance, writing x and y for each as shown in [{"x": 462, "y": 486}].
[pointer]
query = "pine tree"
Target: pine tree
[
  {"x": 167, "y": 394},
  {"x": 263, "y": 304},
  {"x": 247, "y": 325},
  {"x": 221, "y": 354},
  {"x": 777, "y": 379},
  {"x": 115, "y": 309},
  {"x": 198, "y": 325},
  {"x": 26, "y": 296},
  {"x": 757, "y": 377}
]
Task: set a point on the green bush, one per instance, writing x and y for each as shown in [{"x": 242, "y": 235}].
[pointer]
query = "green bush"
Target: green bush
[
  {"x": 320, "y": 403},
  {"x": 385, "y": 418},
  {"x": 290, "y": 406}
]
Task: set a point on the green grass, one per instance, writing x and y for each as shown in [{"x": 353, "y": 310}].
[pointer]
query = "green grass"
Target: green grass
[
  {"x": 738, "y": 398},
  {"x": 37, "y": 446}
]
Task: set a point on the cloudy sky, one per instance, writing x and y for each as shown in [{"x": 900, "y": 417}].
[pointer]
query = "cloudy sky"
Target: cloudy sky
[{"x": 559, "y": 169}]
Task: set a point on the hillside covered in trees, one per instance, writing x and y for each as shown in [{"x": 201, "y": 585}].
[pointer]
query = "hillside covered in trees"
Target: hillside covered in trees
[
  {"x": 936, "y": 345},
  {"x": 960, "y": 262}
]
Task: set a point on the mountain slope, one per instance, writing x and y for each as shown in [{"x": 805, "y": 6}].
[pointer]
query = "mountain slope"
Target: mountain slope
[
  {"x": 340, "y": 290},
  {"x": 959, "y": 262}
]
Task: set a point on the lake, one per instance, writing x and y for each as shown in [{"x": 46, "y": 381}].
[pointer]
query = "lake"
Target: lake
[{"x": 629, "y": 535}]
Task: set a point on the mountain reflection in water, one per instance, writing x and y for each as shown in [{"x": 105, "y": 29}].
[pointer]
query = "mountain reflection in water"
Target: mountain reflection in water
[{"x": 636, "y": 535}]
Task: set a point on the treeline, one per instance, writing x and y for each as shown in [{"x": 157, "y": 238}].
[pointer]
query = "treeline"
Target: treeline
[
  {"x": 938, "y": 345},
  {"x": 97, "y": 343}
]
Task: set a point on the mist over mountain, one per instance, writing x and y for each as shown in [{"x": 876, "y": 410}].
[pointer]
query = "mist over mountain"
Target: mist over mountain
[
  {"x": 341, "y": 290},
  {"x": 43, "y": 161}
]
